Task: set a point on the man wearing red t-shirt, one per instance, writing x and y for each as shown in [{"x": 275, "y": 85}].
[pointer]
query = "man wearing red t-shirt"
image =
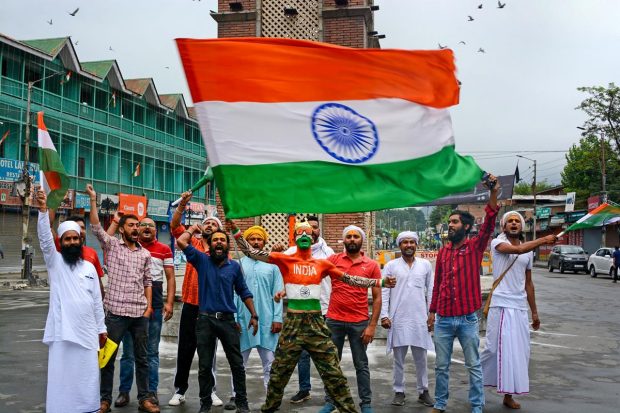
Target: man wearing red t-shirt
[
  {"x": 88, "y": 254},
  {"x": 347, "y": 315}
]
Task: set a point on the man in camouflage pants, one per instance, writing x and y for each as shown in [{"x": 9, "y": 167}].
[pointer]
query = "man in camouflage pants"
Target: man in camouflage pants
[{"x": 304, "y": 327}]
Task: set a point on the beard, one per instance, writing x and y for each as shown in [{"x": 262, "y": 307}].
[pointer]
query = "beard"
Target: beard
[
  {"x": 219, "y": 254},
  {"x": 456, "y": 236},
  {"x": 71, "y": 254},
  {"x": 353, "y": 248}
]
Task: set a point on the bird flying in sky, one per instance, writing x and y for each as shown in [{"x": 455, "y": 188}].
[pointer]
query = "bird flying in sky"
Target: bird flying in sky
[
  {"x": 500, "y": 5},
  {"x": 74, "y": 12},
  {"x": 470, "y": 19}
]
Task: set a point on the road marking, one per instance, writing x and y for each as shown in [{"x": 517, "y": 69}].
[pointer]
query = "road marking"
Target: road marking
[
  {"x": 32, "y": 329},
  {"x": 562, "y": 334},
  {"x": 28, "y": 341},
  {"x": 556, "y": 346}
]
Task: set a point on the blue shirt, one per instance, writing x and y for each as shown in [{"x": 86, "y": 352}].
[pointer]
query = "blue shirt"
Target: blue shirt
[
  {"x": 216, "y": 284},
  {"x": 616, "y": 256}
]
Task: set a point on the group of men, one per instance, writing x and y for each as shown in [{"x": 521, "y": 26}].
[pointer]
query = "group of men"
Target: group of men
[{"x": 239, "y": 304}]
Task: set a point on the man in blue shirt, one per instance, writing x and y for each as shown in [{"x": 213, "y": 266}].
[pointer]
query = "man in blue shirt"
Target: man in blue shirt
[
  {"x": 616, "y": 262},
  {"x": 218, "y": 276}
]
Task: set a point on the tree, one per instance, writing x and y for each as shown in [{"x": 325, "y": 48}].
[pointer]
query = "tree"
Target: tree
[
  {"x": 583, "y": 173},
  {"x": 603, "y": 110},
  {"x": 402, "y": 219},
  {"x": 525, "y": 188},
  {"x": 439, "y": 215}
]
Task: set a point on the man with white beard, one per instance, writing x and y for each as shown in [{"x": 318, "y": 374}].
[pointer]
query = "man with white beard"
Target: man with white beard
[{"x": 404, "y": 313}]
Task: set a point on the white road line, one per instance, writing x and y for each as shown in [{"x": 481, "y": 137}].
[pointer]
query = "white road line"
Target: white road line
[
  {"x": 556, "y": 346},
  {"x": 561, "y": 334}
]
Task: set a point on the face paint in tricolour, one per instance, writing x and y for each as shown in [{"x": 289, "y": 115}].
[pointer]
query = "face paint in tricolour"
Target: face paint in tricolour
[{"x": 303, "y": 241}]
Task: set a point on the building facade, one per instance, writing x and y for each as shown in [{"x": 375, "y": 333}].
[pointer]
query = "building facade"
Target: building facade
[{"x": 118, "y": 134}]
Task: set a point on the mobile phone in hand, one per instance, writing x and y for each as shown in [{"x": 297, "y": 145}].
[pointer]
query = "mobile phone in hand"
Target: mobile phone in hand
[{"x": 486, "y": 179}]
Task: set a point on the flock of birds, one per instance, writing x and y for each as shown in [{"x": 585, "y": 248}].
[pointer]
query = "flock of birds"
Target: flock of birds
[
  {"x": 500, "y": 5},
  {"x": 72, "y": 14}
]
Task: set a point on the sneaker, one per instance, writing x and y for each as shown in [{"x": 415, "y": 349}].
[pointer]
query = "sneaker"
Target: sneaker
[
  {"x": 230, "y": 405},
  {"x": 216, "y": 401},
  {"x": 122, "y": 400},
  {"x": 300, "y": 397},
  {"x": 399, "y": 399},
  {"x": 426, "y": 399},
  {"x": 177, "y": 399},
  {"x": 366, "y": 408},
  {"x": 328, "y": 408}
]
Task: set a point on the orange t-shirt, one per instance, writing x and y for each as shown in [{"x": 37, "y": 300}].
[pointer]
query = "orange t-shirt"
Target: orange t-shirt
[{"x": 189, "y": 291}]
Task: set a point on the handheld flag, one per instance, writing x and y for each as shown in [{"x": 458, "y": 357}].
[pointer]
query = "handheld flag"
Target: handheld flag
[
  {"x": 54, "y": 178},
  {"x": 331, "y": 128},
  {"x": 603, "y": 215},
  {"x": 207, "y": 177}
]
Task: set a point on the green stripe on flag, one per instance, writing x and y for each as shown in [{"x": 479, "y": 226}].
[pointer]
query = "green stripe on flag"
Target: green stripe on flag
[
  {"x": 327, "y": 187},
  {"x": 52, "y": 166}
]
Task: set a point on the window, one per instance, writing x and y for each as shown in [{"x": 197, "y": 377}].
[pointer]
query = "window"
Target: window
[
  {"x": 103, "y": 99},
  {"x": 33, "y": 71},
  {"x": 81, "y": 167},
  {"x": 127, "y": 109},
  {"x": 161, "y": 122},
  {"x": 11, "y": 67},
  {"x": 86, "y": 94},
  {"x": 138, "y": 114}
]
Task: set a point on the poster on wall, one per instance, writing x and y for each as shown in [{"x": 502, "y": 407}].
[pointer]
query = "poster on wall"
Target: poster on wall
[
  {"x": 132, "y": 204},
  {"x": 570, "y": 202}
]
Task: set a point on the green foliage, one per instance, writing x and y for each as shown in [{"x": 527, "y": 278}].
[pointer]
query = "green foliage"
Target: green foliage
[
  {"x": 401, "y": 219},
  {"x": 602, "y": 107},
  {"x": 525, "y": 188},
  {"x": 582, "y": 173},
  {"x": 440, "y": 215}
]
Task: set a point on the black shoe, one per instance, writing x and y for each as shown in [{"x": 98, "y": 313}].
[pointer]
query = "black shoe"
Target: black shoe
[
  {"x": 243, "y": 409},
  {"x": 426, "y": 399},
  {"x": 300, "y": 397},
  {"x": 122, "y": 400},
  {"x": 204, "y": 409},
  {"x": 230, "y": 405}
]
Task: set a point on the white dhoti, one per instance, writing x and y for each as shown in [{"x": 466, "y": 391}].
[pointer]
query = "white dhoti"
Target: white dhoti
[
  {"x": 421, "y": 371},
  {"x": 72, "y": 378},
  {"x": 506, "y": 355}
]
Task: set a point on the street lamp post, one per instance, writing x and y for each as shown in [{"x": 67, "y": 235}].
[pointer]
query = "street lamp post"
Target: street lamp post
[{"x": 533, "y": 192}]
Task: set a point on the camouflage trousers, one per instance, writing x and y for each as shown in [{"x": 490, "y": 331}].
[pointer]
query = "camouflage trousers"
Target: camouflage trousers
[{"x": 307, "y": 331}]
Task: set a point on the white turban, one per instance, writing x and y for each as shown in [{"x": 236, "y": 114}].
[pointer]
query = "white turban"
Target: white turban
[
  {"x": 68, "y": 226},
  {"x": 216, "y": 219},
  {"x": 407, "y": 235},
  {"x": 354, "y": 228},
  {"x": 502, "y": 221}
]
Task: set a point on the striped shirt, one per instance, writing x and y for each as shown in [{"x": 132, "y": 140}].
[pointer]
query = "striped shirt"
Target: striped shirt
[
  {"x": 456, "y": 290},
  {"x": 129, "y": 273}
]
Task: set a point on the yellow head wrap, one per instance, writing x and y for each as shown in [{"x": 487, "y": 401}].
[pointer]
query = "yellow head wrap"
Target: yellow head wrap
[{"x": 255, "y": 230}]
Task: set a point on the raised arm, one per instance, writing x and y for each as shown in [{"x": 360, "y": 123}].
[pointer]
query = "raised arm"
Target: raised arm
[
  {"x": 179, "y": 210},
  {"x": 243, "y": 244},
  {"x": 355, "y": 281},
  {"x": 508, "y": 248},
  {"x": 46, "y": 239},
  {"x": 95, "y": 225}
]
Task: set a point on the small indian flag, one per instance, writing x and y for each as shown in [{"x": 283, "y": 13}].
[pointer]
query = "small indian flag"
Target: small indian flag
[
  {"x": 54, "y": 178},
  {"x": 113, "y": 99},
  {"x": 294, "y": 125},
  {"x": 6, "y": 134},
  {"x": 136, "y": 172},
  {"x": 66, "y": 77}
]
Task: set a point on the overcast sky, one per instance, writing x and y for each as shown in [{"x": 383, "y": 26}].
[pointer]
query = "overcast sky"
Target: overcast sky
[{"x": 518, "y": 96}]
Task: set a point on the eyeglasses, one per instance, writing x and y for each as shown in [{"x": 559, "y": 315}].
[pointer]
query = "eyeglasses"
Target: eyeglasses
[
  {"x": 147, "y": 224},
  {"x": 303, "y": 230}
]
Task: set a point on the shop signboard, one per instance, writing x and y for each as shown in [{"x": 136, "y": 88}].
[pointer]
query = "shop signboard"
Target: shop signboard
[
  {"x": 158, "y": 208},
  {"x": 132, "y": 204},
  {"x": 11, "y": 170},
  {"x": 593, "y": 202},
  {"x": 544, "y": 212},
  {"x": 108, "y": 203}
]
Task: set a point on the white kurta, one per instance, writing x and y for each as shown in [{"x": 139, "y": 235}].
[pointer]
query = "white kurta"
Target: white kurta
[
  {"x": 406, "y": 305},
  {"x": 74, "y": 321},
  {"x": 506, "y": 354}
]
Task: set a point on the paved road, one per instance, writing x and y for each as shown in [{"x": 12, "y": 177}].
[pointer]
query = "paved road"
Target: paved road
[{"x": 575, "y": 363}]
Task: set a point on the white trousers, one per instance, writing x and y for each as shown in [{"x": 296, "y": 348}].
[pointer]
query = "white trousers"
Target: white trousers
[
  {"x": 421, "y": 371},
  {"x": 506, "y": 354},
  {"x": 266, "y": 358},
  {"x": 72, "y": 379}
]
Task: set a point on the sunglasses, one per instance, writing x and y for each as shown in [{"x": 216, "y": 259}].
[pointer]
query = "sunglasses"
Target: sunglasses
[
  {"x": 307, "y": 231},
  {"x": 147, "y": 224}
]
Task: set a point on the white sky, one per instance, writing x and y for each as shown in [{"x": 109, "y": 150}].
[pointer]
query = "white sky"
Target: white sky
[{"x": 518, "y": 96}]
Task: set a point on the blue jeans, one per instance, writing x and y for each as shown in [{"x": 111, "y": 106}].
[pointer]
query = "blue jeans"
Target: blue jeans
[
  {"x": 127, "y": 359},
  {"x": 303, "y": 369},
  {"x": 465, "y": 328},
  {"x": 353, "y": 331}
]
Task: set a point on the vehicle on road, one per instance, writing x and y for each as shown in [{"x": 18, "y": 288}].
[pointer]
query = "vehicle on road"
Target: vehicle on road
[
  {"x": 568, "y": 258},
  {"x": 601, "y": 262}
]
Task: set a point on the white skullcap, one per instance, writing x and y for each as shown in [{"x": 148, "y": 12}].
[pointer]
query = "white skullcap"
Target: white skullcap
[
  {"x": 68, "y": 226},
  {"x": 354, "y": 228},
  {"x": 507, "y": 214},
  {"x": 216, "y": 219},
  {"x": 406, "y": 235}
]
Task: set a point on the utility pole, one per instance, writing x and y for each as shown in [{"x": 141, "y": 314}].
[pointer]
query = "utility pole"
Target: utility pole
[
  {"x": 534, "y": 193},
  {"x": 26, "y": 249},
  {"x": 604, "y": 189}
]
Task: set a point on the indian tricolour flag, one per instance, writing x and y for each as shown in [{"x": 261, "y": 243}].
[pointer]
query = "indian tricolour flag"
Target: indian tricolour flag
[
  {"x": 604, "y": 214},
  {"x": 292, "y": 125},
  {"x": 54, "y": 179}
]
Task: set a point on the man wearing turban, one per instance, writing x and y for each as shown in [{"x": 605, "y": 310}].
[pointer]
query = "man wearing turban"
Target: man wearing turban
[
  {"x": 506, "y": 353},
  {"x": 75, "y": 327}
]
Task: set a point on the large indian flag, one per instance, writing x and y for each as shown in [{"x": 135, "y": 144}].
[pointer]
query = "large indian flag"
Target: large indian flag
[
  {"x": 604, "y": 214},
  {"x": 54, "y": 179},
  {"x": 292, "y": 125}
]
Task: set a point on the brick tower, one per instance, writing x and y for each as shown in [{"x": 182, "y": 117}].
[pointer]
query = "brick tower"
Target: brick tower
[{"x": 347, "y": 23}]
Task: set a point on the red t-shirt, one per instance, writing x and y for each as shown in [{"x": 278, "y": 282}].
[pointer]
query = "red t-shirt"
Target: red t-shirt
[
  {"x": 88, "y": 254},
  {"x": 348, "y": 303}
]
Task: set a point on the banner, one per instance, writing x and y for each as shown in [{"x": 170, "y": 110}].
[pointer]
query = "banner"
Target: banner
[
  {"x": 480, "y": 194},
  {"x": 82, "y": 201},
  {"x": 132, "y": 204},
  {"x": 593, "y": 202},
  {"x": 570, "y": 202},
  {"x": 11, "y": 170},
  {"x": 157, "y": 208},
  {"x": 108, "y": 204},
  {"x": 68, "y": 200},
  {"x": 6, "y": 187}
]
